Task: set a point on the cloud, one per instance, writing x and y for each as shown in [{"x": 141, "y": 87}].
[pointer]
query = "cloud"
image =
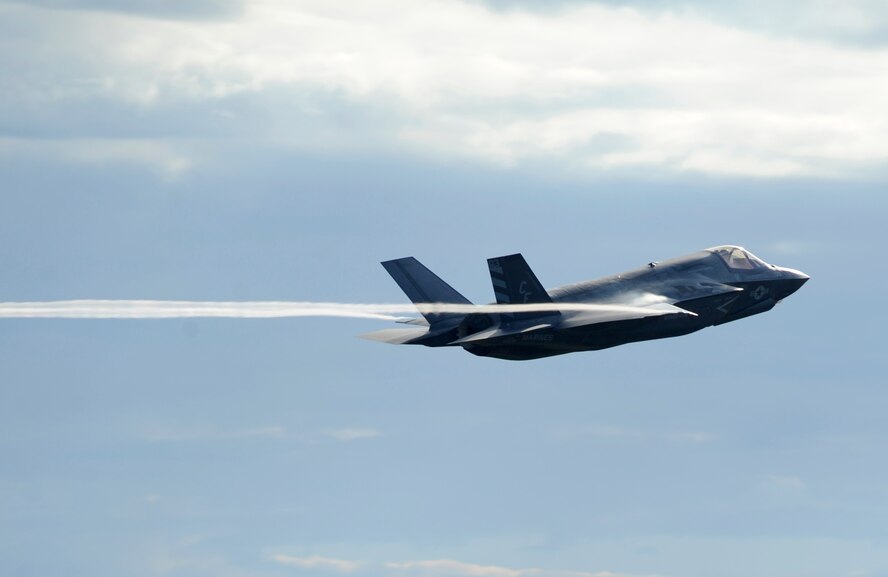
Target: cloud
[
  {"x": 611, "y": 432},
  {"x": 782, "y": 485},
  {"x": 598, "y": 431},
  {"x": 155, "y": 154},
  {"x": 171, "y": 9},
  {"x": 436, "y": 567},
  {"x": 452, "y": 567},
  {"x": 260, "y": 433},
  {"x": 315, "y": 562},
  {"x": 350, "y": 434},
  {"x": 792, "y": 247},
  {"x": 850, "y": 21},
  {"x": 168, "y": 434},
  {"x": 695, "y": 437},
  {"x": 600, "y": 88},
  {"x": 213, "y": 434},
  {"x": 179, "y": 563}
]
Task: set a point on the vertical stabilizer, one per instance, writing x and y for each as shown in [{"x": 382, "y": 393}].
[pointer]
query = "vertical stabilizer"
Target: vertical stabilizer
[
  {"x": 423, "y": 286},
  {"x": 514, "y": 283}
]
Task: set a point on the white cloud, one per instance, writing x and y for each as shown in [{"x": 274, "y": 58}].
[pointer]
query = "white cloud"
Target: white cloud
[
  {"x": 178, "y": 563},
  {"x": 164, "y": 433},
  {"x": 316, "y": 562},
  {"x": 348, "y": 434},
  {"x": 453, "y": 567},
  {"x": 155, "y": 154},
  {"x": 782, "y": 485},
  {"x": 431, "y": 567},
  {"x": 599, "y": 431},
  {"x": 171, "y": 9},
  {"x": 844, "y": 21},
  {"x": 611, "y": 432},
  {"x": 597, "y": 89},
  {"x": 173, "y": 434},
  {"x": 792, "y": 247},
  {"x": 145, "y": 152},
  {"x": 273, "y": 431},
  {"x": 695, "y": 437}
]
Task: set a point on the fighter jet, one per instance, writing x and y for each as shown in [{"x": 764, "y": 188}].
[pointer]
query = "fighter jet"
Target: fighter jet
[{"x": 663, "y": 299}]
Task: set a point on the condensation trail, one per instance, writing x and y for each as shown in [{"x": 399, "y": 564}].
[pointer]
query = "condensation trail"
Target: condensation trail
[{"x": 153, "y": 309}]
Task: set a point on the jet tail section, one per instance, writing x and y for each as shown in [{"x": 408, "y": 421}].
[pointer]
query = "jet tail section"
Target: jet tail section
[
  {"x": 423, "y": 286},
  {"x": 514, "y": 283}
]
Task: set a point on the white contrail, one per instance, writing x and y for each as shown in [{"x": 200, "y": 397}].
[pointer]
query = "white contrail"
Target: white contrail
[{"x": 153, "y": 309}]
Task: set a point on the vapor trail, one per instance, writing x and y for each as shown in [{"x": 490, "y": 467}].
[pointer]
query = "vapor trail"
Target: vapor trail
[{"x": 152, "y": 309}]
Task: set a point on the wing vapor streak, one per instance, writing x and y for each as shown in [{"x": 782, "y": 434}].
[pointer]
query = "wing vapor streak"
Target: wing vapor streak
[{"x": 163, "y": 309}]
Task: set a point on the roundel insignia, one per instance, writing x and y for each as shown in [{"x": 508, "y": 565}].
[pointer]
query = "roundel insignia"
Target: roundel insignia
[{"x": 759, "y": 292}]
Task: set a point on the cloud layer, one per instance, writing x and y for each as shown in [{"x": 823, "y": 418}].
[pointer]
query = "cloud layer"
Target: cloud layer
[
  {"x": 586, "y": 87},
  {"x": 429, "y": 568}
]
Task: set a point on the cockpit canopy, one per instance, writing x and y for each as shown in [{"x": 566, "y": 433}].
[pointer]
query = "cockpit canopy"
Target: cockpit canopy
[{"x": 738, "y": 258}]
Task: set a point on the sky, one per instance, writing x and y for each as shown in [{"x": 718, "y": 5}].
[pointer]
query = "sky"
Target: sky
[{"x": 220, "y": 150}]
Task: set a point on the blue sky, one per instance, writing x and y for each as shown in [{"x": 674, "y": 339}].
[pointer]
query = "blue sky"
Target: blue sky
[{"x": 280, "y": 150}]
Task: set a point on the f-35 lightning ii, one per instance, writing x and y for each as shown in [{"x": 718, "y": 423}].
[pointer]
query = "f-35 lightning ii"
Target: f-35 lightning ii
[{"x": 663, "y": 299}]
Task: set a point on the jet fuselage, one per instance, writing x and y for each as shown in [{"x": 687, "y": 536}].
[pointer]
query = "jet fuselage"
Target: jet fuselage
[
  {"x": 683, "y": 281},
  {"x": 663, "y": 299}
]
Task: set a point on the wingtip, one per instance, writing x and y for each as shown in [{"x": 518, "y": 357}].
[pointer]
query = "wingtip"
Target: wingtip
[{"x": 395, "y": 336}]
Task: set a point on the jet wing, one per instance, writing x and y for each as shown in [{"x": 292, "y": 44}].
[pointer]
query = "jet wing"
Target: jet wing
[
  {"x": 500, "y": 331},
  {"x": 422, "y": 322},
  {"x": 619, "y": 313},
  {"x": 604, "y": 314},
  {"x": 698, "y": 290}
]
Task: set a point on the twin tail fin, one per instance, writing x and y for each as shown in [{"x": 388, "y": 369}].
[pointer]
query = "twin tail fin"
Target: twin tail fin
[
  {"x": 514, "y": 283},
  {"x": 423, "y": 286}
]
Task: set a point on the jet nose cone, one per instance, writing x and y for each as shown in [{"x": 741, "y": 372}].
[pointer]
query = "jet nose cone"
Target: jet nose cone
[
  {"x": 794, "y": 274},
  {"x": 792, "y": 280}
]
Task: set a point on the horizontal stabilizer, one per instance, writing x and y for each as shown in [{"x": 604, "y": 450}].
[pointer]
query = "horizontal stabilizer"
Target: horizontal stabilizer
[{"x": 395, "y": 336}]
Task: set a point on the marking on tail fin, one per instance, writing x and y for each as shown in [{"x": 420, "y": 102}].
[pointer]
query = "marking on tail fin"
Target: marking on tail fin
[{"x": 522, "y": 290}]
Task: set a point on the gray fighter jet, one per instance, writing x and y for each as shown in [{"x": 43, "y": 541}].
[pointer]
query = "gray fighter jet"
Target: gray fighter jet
[{"x": 663, "y": 299}]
